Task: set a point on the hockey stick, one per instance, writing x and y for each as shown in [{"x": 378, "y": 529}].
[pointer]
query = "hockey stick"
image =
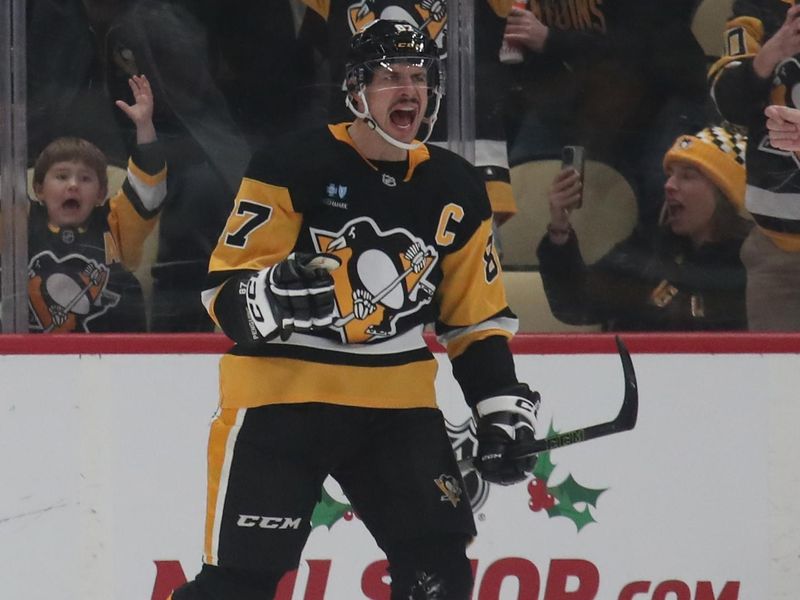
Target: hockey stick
[
  {"x": 70, "y": 305},
  {"x": 624, "y": 421}
]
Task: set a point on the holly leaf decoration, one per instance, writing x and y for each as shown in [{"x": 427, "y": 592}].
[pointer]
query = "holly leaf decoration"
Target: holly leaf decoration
[
  {"x": 567, "y": 494},
  {"x": 544, "y": 466},
  {"x": 327, "y": 511}
]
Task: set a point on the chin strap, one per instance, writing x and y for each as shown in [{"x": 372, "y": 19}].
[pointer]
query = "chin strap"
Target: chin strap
[{"x": 429, "y": 122}]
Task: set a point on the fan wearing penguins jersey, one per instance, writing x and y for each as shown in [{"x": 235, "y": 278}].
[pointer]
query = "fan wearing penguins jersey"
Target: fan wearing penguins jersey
[
  {"x": 761, "y": 67},
  {"x": 83, "y": 247},
  {"x": 342, "y": 244}
]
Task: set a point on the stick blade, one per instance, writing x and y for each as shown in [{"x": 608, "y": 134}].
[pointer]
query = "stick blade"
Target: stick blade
[{"x": 629, "y": 412}]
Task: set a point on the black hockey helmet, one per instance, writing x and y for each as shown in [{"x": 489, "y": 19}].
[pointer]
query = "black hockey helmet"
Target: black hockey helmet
[{"x": 384, "y": 41}]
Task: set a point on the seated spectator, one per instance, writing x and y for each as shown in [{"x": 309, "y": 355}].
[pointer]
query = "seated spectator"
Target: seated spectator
[
  {"x": 687, "y": 276},
  {"x": 224, "y": 77},
  {"x": 82, "y": 247}
]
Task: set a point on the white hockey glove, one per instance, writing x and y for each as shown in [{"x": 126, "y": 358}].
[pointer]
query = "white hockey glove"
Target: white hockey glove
[
  {"x": 296, "y": 294},
  {"x": 505, "y": 432}
]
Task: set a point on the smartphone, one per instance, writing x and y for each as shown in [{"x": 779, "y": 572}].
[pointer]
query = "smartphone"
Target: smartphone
[{"x": 573, "y": 157}]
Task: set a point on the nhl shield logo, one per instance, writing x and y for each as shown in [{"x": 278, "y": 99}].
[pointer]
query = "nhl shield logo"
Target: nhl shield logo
[{"x": 465, "y": 443}]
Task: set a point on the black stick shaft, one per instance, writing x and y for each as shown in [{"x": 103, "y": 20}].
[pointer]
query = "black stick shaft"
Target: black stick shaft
[{"x": 624, "y": 421}]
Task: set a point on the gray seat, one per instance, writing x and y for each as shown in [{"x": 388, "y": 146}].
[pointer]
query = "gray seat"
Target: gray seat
[
  {"x": 527, "y": 299},
  {"x": 708, "y": 25},
  {"x": 608, "y": 215}
]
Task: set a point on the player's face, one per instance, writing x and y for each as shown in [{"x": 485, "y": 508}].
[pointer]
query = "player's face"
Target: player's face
[
  {"x": 70, "y": 191},
  {"x": 398, "y": 99},
  {"x": 691, "y": 200}
]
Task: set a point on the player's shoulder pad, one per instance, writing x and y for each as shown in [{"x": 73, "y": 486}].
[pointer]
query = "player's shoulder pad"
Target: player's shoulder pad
[
  {"x": 287, "y": 159},
  {"x": 464, "y": 180}
]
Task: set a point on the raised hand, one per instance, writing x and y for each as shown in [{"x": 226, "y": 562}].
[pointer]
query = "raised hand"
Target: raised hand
[
  {"x": 524, "y": 29},
  {"x": 141, "y": 111}
]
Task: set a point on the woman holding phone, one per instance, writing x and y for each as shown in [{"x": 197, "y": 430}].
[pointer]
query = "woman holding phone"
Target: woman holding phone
[{"x": 687, "y": 276}]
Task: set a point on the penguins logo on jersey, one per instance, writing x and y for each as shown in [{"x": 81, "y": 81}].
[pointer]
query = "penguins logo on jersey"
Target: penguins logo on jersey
[
  {"x": 384, "y": 276},
  {"x": 428, "y": 15},
  {"x": 786, "y": 88},
  {"x": 785, "y": 92},
  {"x": 66, "y": 294}
]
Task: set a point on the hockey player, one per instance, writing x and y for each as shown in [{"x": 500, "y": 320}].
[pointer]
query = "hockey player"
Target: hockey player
[
  {"x": 82, "y": 247},
  {"x": 341, "y": 245}
]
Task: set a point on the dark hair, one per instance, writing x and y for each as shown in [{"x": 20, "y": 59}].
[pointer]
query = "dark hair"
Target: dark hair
[{"x": 71, "y": 149}]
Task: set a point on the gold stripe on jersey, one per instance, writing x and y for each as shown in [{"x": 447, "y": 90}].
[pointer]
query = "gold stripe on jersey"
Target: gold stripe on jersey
[
  {"x": 501, "y": 197},
  {"x": 459, "y": 345},
  {"x": 788, "y": 242},
  {"x": 129, "y": 229},
  {"x": 464, "y": 297},
  {"x": 249, "y": 381},
  {"x": 321, "y": 7},
  {"x": 416, "y": 156},
  {"x": 222, "y": 437},
  {"x": 270, "y": 240},
  {"x": 500, "y": 7}
]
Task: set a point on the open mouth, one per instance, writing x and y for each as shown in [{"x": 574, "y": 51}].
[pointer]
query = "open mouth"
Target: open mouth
[
  {"x": 70, "y": 204},
  {"x": 403, "y": 117},
  {"x": 674, "y": 211}
]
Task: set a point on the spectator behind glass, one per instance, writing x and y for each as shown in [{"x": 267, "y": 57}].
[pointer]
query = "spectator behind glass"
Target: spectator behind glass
[
  {"x": 686, "y": 276},
  {"x": 762, "y": 67},
  {"x": 81, "y": 247},
  {"x": 207, "y": 68},
  {"x": 205, "y": 148},
  {"x": 328, "y": 24},
  {"x": 622, "y": 78}
]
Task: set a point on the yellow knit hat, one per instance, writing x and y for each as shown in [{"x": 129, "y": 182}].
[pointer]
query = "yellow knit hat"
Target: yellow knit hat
[{"x": 719, "y": 154}]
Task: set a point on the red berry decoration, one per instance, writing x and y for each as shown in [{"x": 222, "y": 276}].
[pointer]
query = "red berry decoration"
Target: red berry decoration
[{"x": 540, "y": 498}]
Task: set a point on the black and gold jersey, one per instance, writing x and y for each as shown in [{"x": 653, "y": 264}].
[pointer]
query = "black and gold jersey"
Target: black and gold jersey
[
  {"x": 79, "y": 278},
  {"x": 773, "y": 178},
  {"x": 415, "y": 244}
]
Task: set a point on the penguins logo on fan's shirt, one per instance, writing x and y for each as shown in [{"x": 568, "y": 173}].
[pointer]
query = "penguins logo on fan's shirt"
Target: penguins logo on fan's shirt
[
  {"x": 429, "y": 15},
  {"x": 383, "y": 277},
  {"x": 785, "y": 92},
  {"x": 786, "y": 87},
  {"x": 66, "y": 294}
]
